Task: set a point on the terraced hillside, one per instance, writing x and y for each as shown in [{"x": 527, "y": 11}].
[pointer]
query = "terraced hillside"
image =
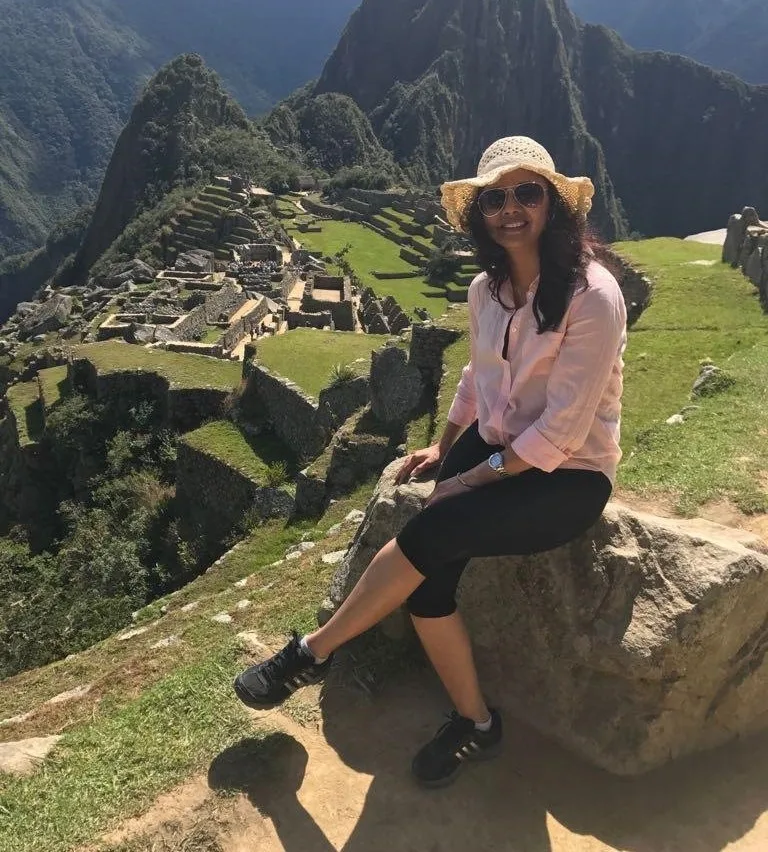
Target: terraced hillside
[
  {"x": 387, "y": 246},
  {"x": 211, "y": 221}
]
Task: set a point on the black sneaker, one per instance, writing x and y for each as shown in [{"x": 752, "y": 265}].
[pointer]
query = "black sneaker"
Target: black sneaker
[
  {"x": 269, "y": 683},
  {"x": 440, "y": 761}
]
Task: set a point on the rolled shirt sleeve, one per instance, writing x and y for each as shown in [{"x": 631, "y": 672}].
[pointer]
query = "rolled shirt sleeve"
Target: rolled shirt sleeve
[
  {"x": 595, "y": 333},
  {"x": 463, "y": 410}
]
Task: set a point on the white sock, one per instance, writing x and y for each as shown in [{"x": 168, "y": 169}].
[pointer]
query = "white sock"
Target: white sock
[
  {"x": 306, "y": 649},
  {"x": 485, "y": 726}
]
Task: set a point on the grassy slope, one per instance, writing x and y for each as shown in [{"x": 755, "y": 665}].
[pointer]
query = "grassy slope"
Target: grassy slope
[
  {"x": 307, "y": 355},
  {"x": 183, "y": 371},
  {"x": 53, "y": 385},
  {"x": 371, "y": 252},
  {"x": 697, "y": 312},
  {"x": 164, "y": 713},
  {"x": 252, "y": 455},
  {"x": 24, "y": 401}
]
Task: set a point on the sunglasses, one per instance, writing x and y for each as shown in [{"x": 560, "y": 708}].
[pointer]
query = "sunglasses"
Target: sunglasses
[{"x": 492, "y": 201}]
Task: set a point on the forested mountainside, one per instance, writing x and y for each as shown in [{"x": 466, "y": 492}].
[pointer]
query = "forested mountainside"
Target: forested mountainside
[
  {"x": 727, "y": 34},
  {"x": 72, "y": 69}
]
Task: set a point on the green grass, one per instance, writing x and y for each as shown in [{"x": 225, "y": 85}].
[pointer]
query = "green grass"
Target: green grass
[
  {"x": 54, "y": 385},
  {"x": 129, "y": 754},
  {"x": 697, "y": 312},
  {"x": 402, "y": 217},
  {"x": 212, "y": 334},
  {"x": 181, "y": 370},
  {"x": 371, "y": 252},
  {"x": 307, "y": 355},
  {"x": 24, "y": 401},
  {"x": 250, "y": 454}
]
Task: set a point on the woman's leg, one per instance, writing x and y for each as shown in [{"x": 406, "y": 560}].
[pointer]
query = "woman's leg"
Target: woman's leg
[
  {"x": 391, "y": 578},
  {"x": 387, "y": 583},
  {"x": 449, "y": 649},
  {"x": 532, "y": 513}
]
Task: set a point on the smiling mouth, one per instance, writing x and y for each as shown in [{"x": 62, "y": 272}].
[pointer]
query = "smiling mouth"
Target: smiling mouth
[{"x": 514, "y": 227}]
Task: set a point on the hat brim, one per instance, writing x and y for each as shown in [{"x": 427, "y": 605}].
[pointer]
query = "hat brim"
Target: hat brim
[{"x": 459, "y": 195}]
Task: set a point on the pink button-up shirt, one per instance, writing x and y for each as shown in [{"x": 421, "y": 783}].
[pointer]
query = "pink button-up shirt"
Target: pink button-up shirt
[{"x": 556, "y": 397}]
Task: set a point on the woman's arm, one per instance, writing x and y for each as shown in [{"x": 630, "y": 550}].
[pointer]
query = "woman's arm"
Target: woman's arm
[{"x": 578, "y": 379}]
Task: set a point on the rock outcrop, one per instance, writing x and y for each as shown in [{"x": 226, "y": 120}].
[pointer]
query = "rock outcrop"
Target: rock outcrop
[
  {"x": 746, "y": 246},
  {"x": 644, "y": 640}
]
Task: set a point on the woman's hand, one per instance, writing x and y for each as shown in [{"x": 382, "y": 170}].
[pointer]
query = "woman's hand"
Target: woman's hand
[
  {"x": 445, "y": 489},
  {"x": 419, "y": 462}
]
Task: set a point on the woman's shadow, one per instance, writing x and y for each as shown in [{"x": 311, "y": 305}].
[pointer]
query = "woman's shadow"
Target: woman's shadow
[{"x": 533, "y": 799}]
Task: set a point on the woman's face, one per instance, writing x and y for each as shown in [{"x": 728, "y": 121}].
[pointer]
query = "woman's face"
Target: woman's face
[{"x": 516, "y": 225}]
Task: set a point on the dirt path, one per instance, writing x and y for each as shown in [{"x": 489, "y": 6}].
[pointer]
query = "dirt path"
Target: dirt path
[{"x": 343, "y": 784}]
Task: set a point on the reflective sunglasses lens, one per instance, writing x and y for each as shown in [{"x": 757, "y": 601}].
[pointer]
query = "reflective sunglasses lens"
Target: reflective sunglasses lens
[
  {"x": 529, "y": 194},
  {"x": 492, "y": 201}
]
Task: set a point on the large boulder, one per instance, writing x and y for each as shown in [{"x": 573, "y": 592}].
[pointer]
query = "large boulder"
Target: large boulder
[
  {"x": 643, "y": 640},
  {"x": 49, "y": 316},
  {"x": 197, "y": 260}
]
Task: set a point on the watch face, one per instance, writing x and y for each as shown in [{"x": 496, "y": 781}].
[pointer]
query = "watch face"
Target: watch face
[{"x": 496, "y": 461}]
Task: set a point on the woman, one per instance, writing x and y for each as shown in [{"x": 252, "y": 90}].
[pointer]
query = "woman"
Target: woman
[{"x": 529, "y": 455}]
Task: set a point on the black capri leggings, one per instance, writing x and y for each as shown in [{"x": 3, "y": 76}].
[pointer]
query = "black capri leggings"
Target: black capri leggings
[{"x": 529, "y": 513}]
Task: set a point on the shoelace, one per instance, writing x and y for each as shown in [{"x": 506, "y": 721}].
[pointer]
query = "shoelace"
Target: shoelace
[
  {"x": 285, "y": 661},
  {"x": 454, "y": 732}
]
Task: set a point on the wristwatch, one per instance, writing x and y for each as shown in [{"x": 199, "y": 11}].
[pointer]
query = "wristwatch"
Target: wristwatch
[{"x": 496, "y": 463}]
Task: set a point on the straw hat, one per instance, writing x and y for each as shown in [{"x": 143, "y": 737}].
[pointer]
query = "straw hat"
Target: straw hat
[{"x": 506, "y": 155}]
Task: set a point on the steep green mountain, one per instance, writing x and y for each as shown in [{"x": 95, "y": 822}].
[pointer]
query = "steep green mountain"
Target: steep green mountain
[
  {"x": 72, "y": 69},
  {"x": 727, "y": 34},
  {"x": 181, "y": 131},
  {"x": 671, "y": 145}
]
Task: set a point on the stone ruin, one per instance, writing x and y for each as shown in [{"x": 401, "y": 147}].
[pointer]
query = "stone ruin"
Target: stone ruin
[
  {"x": 381, "y": 316},
  {"x": 746, "y": 247},
  {"x": 327, "y": 302}
]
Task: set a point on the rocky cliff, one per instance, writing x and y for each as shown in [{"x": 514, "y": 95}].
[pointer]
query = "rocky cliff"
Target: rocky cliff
[{"x": 441, "y": 79}]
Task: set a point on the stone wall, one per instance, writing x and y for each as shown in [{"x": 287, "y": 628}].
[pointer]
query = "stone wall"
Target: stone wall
[
  {"x": 189, "y": 408},
  {"x": 331, "y": 212},
  {"x": 746, "y": 247},
  {"x": 225, "y": 303},
  {"x": 636, "y": 287},
  {"x": 291, "y": 412},
  {"x": 339, "y": 401},
  {"x": 428, "y": 342},
  {"x": 303, "y": 319},
  {"x": 217, "y": 496},
  {"x": 243, "y": 327},
  {"x": 181, "y": 410},
  {"x": 376, "y": 199}
]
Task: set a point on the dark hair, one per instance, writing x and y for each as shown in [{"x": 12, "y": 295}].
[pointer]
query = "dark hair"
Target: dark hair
[{"x": 564, "y": 251}]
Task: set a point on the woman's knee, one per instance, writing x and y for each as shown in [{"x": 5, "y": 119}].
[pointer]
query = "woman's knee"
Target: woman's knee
[{"x": 429, "y": 601}]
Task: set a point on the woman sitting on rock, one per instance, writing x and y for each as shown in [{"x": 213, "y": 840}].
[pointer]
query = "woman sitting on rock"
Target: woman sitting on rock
[{"x": 529, "y": 455}]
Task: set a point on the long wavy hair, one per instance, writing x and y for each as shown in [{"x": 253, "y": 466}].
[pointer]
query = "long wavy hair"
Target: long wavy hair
[{"x": 564, "y": 251}]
